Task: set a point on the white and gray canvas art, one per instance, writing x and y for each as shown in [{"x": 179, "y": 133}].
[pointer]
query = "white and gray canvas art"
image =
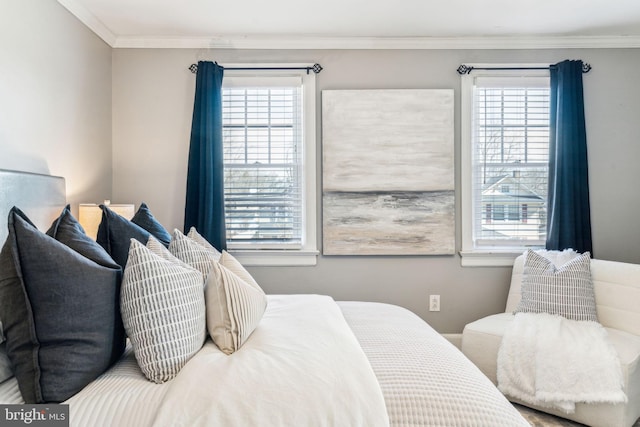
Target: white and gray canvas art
[{"x": 388, "y": 172}]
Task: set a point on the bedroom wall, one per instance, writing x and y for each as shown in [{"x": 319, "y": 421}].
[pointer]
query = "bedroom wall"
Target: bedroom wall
[
  {"x": 152, "y": 105},
  {"x": 55, "y": 98}
]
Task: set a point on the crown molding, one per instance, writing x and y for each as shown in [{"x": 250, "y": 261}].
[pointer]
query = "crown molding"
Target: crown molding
[
  {"x": 88, "y": 19},
  {"x": 339, "y": 43},
  {"x": 301, "y": 42}
]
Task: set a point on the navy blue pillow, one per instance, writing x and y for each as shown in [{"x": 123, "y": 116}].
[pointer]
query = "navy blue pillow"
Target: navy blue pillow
[
  {"x": 146, "y": 220},
  {"x": 59, "y": 313},
  {"x": 115, "y": 233}
]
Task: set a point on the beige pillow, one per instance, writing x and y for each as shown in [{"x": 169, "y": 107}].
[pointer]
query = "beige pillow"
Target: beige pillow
[
  {"x": 234, "y": 308},
  {"x": 234, "y": 265}
]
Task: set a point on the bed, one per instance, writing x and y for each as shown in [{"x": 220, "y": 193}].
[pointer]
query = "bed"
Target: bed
[{"x": 309, "y": 361}]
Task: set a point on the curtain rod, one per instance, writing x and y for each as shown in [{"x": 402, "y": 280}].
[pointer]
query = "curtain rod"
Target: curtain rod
[
  {"x": 316, "y": 68},
  {"x": 466, "y": 69}
]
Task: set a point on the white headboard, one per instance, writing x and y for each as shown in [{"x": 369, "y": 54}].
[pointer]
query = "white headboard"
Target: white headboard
[{"x": 41, "y": 197}]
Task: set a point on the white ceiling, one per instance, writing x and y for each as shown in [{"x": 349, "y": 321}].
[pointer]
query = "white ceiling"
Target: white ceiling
[{"x": 362, "y": 23}]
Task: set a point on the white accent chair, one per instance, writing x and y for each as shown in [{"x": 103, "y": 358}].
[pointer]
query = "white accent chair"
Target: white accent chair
[{"x": 617, "y": 291}]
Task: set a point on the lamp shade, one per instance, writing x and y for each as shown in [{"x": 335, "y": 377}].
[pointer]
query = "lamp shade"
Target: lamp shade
[{"x": 90, "y": 215}]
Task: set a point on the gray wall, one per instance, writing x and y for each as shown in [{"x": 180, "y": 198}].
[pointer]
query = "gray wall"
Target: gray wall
[
  {"x": 152, "y": 105},
  {"x": 57, "y": 80},
  {"x": 55, "y": 98}
]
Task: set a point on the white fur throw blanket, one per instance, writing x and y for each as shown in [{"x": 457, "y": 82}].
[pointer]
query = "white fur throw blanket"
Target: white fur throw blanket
[{"x": 551, "y": 361}]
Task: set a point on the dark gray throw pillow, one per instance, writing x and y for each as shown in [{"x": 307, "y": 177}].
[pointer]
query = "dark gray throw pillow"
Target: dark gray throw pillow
[
  {"x": 66, "y": 229},
  {"x": 146, "y": 220},
  {"x": 115, "y": 233},
  {"x": 58, "y": 313}
]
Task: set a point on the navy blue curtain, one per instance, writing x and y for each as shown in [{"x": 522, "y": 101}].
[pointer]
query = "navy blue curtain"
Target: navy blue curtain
[
  {"x": 204, "y": 207},
  {"x": 569, "y": 217}
]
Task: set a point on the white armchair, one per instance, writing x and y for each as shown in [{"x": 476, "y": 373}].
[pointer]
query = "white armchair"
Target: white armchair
[{"x": 617, "y": 292}]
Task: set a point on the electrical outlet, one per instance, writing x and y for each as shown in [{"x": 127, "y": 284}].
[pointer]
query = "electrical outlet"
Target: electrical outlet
[{"x": 434, "y": 302}]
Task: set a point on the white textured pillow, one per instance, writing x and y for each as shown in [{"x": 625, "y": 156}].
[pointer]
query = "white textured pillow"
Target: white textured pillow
[
  {"x": 155, "y": 246},
  {"x": 197, "y": 237},
  {"x": 234, "y": 308},
  {"x": 189, "y": 251},
  {"x": 163, "y": 311},
  {"x": 566, "y": 290}
]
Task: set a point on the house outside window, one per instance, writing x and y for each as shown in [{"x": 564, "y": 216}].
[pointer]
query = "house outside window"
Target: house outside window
[
  {"x": 505, "y": 144},
  {"x": 268, "y": 119}
]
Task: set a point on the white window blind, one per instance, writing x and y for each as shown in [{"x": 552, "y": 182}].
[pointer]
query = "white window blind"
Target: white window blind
[
  {"x": 262, "y": 136},
  {"x": 510, "y": 145}
]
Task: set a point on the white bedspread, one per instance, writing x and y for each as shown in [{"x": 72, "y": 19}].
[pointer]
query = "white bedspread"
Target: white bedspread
[
  {"x": 547, "y": 360},
  {"x": 302, "y": 366}
]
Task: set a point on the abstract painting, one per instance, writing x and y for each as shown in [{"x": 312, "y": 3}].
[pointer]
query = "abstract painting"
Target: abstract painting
[{"x": 388, "y": 172}]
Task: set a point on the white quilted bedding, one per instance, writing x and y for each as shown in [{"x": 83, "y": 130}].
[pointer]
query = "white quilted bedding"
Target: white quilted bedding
[{"x": 423, "y": 379}]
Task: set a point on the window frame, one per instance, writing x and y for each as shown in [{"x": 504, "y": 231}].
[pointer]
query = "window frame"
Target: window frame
[
  {"x": 307, "y": 254},
  {"x": 470, "y": 254}
]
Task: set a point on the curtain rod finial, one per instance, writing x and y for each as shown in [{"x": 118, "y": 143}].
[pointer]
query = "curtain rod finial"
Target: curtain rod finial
[
  {"x": 193, "y": 68},
  {"x": 464, "y": 69}
]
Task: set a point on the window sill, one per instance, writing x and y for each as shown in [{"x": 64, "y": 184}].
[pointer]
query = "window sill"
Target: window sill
[
  {"x": 489, "y": 258},
  {"x": 276, "y": 258}
]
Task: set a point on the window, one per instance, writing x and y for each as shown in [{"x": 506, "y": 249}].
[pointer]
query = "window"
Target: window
[
  {"x": 268, "y": 121},
  {"x": 505, "y": 152},
  {"x": 513, "y": 213},
  {"x": 498, "y": 213}
]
